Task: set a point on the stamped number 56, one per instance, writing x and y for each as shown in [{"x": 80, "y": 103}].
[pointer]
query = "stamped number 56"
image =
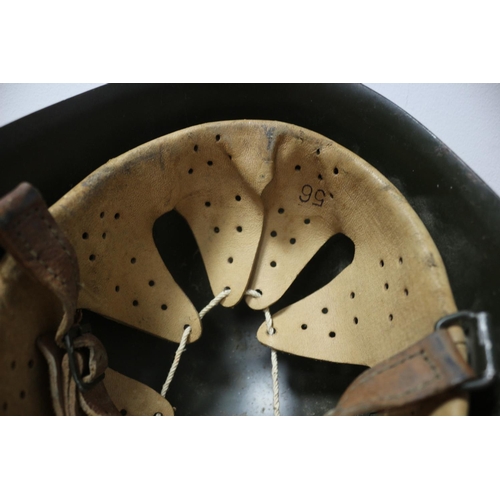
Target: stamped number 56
[{"x": 307, "y": 192}]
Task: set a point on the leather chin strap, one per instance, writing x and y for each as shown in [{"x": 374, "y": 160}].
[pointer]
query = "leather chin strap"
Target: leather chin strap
[
  {"x": 429, "y": 368},
  {"x": 31, "y": 235}
]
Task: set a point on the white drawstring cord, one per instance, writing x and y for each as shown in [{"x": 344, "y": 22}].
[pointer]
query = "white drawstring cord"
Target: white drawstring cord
[
  {"x": 270, "y": 330},
  {"x": 274, "y": 355},
  {"x": 182, "y": 345}
]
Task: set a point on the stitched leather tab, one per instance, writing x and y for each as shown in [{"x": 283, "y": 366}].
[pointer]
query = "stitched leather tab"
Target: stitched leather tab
[
  {"x": 426, "y": 369},
  {"x": 31, "y": 235}
]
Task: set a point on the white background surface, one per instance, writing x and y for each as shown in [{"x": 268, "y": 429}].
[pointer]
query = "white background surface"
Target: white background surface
[
  {"x": 466, "y": 117},
  {"x": 361, "y": 40}
]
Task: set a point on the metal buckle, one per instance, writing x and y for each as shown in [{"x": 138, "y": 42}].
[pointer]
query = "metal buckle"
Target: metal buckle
[
  {"x": 73, "y": 332},
  {"x": 477, "y": 326}
]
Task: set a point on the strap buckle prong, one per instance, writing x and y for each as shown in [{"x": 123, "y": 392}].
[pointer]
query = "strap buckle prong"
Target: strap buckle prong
[
  {"x": 477, "y": 327},
  {"x": 73, "y": 332}
]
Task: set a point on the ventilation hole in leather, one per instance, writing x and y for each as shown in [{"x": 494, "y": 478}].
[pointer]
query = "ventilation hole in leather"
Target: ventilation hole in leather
[
  {"x": 22, "y": 394},
  {"x": 318, "y": 151},
  {"x": 400, "y": 260},
  {"x": 31, "y": 363},
  {"x": 164, "y": 307},
  {"x": 190, "y": 171},
  {"x": 103, "y": 236},
  {"x": 217, "y": 137},
  {"x": 304, "y": 327},
  {"x": 386, "y": 286},
  {"x": 328, "y": 262},
  {"x": 331, "y": 195},
  {"x": 274, "y": 234},
  {"x": 297, "y": 167},
  {"x": 382, "y": 263},
  {"x": 237, "y": 197},
  {"x": 391, "y": 317},
  {"x": 207, "y": 203},
  {"x": 117, "y": 216},
  {"x": 117, "y": 288},
  {"x": 230, "y": 260},
  {"x": 101, "y": 215},
  {"x": 356, "y": 321},
  {"x": 239, "y": 229},
  {"x": 92, "y": 257},
  {"x": 135, "y": 303},
  {"x": 332, "y": 335},
  {"x": 216, "y": 229},
  {"x": 151, "y": 283},
  {"x": 336, "y": 171},
  {"x": 281, "y": 210},
  {"x": 293, "y": 241},
  {"x": 324, "y": 310},
  {"x": 230, "y": 157},
  {"x": 133, "y": 260},
  {"x": 13, "y": 365},
  {"x": 85, "y": 236},
  {"x": 210, "y": 163},
  {"x": 123, "y": 412},
  {"x": 307, "y": 221},
  {"x": 273, "y": 263},
  {"x": 353, "y": 295},
  {"x": 183, "y": 260},
  {"x": 320, "y": 177},
  {"x": 195, "y": 148},
  {"x": 406, "y": 292}
]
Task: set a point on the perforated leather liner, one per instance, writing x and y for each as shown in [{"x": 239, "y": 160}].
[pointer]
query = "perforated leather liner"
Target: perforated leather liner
[{"x": 233, "y": 182}]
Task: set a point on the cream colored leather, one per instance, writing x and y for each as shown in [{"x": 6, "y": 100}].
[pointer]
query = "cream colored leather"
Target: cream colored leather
[
  {"x": 303, "y": 177},
  {"x": 26, "y": 312},
  {"x": 261, "y": 198},
  {"x": 213, "y": 176},
  {"x": 395, "y": 289},
  {"x": 133, "y": 398}
]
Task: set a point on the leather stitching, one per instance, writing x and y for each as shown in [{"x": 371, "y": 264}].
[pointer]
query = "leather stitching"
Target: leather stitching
[{"x": 422, "y": 353}]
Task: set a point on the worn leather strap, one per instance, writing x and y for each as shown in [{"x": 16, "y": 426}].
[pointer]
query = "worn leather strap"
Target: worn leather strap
[
  {"x": 31, "y": 235},
  {"x": 429, "y": 368},
  {"x": 115, "y": 395},
  {"x": 89, "y": 355}
]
